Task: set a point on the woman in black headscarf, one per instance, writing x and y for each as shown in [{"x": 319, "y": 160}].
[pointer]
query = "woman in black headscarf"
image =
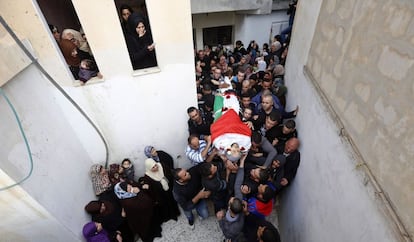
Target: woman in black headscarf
[
  {"x": 109, "y": 213},
  {"x": 125, "y": 11},
  {"x": 139, "y": 210},
  {"x": 141, "y": 47}
]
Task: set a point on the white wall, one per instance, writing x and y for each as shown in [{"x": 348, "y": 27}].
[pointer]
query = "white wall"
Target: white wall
[
  {"x": 246, "y": 27},
  {"x": 17, "y": 206},
  {"x": 257, "y": 27},
  {"x": 61, "y": 155},
  {"x": 202, "y": 6},
  {"x": 330, "y": 199},
  {"x": 131, "y": 111}
]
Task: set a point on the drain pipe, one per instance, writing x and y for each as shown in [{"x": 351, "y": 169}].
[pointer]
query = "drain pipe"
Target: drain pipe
[
  {"x": 44, "y": 72},
  {"x": 379, "y": 192}
]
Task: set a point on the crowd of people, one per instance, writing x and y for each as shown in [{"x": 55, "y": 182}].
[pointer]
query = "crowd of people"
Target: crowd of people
[
  {"x": 240, "y": 180},
  {"x": 242, "y": 152},
  {"x": 128, "y": 206},
  {"x": 77, "y": 53}
]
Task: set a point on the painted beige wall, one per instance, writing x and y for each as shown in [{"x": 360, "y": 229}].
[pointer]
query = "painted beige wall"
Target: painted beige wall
[
  {"x": 362, "y": 56},
  {"x": 15, "y": 60},
  {"x": 30, "y": 26}
]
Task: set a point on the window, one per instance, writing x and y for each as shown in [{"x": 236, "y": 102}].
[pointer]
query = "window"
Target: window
[
  {"x": 218, "y": 35},
  {"x": 67, "y": 31},
  {"x": 135, "y": 25}
]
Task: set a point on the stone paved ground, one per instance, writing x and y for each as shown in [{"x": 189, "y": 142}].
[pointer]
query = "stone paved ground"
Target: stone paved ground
[{"x": 206, "y": 230}]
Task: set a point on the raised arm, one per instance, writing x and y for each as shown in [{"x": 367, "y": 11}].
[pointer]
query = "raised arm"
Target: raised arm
[
  {"x": 239, "y": 178},
  {"x": 204, "y": 153},
  {"x": 270, "y": 150}
]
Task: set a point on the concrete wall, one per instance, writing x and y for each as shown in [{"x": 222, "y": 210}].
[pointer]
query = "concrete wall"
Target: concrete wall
[
  {"x": 343, "y": 42},
  {"x": 24, "y": 219},
  {"x": 246, "y": 26},
  {"x": 362, "y": 56},
  {"x": 63, "y": 147},
  {"x": 258, "y": 27},
  {"x": 131, "y": 111},
  {"x": 209, "y": 6}
]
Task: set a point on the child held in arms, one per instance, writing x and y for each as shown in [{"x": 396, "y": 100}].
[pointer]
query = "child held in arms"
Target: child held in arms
[{"x": 87, "y": 70}]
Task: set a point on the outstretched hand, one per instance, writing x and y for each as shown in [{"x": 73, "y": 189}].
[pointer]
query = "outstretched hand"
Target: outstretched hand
[{"x": 151, "y": 47}]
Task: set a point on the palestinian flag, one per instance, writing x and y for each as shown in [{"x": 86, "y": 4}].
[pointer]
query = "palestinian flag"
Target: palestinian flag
[{"x": 228, "y": 127}]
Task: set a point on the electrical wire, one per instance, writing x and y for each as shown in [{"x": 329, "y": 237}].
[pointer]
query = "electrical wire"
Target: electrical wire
[
  {"x": 25, "y": 141},
  {"x": 46, "y": 74}
]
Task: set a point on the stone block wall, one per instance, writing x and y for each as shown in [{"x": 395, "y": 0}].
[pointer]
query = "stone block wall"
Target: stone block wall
[{"x": 362, "y": 56}]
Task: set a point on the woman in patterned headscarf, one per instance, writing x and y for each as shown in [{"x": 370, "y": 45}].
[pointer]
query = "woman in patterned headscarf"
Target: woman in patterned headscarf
[
  {"x": 159, "y": 156},
  {"x": 77, "y": 38},
  {"x": 100, "y": 179}
]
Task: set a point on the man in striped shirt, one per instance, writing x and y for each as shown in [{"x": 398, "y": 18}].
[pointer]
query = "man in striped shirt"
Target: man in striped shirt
[{"x": 198, "y": 150}]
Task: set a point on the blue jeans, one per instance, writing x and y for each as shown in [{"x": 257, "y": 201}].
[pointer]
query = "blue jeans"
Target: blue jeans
[
  {"x": 201, "y": 208},
  {"x": 285, "y": 32}
]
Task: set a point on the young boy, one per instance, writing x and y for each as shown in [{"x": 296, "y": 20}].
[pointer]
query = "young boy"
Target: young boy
[
  {"x": 87, "y": 70},
  {"x": 129, "y": 172}
]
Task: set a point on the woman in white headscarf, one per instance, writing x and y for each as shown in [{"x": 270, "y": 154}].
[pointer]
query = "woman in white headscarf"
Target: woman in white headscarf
[
  {"x": 166, "y": 207},
  {"x": 77, "y": 38}
]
